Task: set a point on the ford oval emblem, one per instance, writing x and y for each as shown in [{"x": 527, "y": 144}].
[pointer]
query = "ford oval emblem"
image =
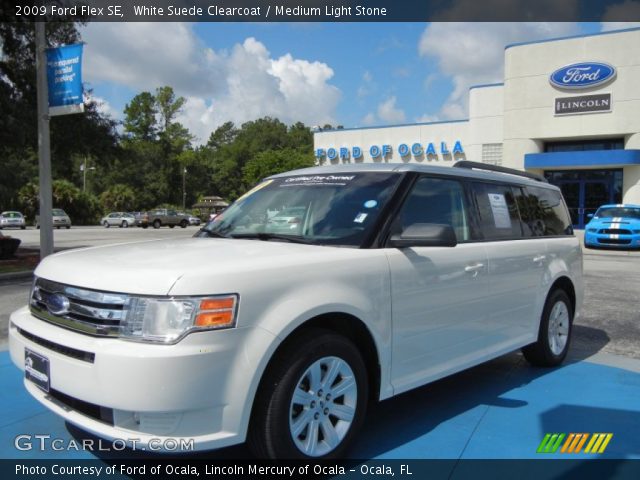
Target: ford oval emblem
[
  {"x": 582, "y": 75},
  {"x": 57, "y": 304}
]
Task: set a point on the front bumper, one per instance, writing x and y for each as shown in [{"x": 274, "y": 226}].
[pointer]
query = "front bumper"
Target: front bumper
[
  {"x": 196, "y": 391},
  {"x": 594, "y": 239}
]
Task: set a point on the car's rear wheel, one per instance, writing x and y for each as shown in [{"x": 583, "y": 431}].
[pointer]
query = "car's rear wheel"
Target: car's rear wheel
[
  {"x": 312, "y": 400},
  {"x": 554, "y": 335},
  {"x": 156, "y": 224},
  {"x": 125, "y": 224}
]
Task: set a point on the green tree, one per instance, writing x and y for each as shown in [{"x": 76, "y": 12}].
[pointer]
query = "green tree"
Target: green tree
[
  {"x": 140, "y": 117},
  {"x": 88, "y": 133},
  {"x": 272, "y": 162},
  {"x": 223, "y": 135},
  {"x": 118, "y": 197},
  {"x": 83, "y": 208},
  {"x": 168, "y": 106}
]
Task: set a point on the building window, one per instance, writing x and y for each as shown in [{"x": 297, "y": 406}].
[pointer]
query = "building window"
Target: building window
[
  {"x": 581, "y": 146},
  {"x": 492, "y": 153}
]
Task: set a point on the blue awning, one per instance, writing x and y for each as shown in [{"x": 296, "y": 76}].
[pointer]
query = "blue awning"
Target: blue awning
[{"x": 586, "y": 158}]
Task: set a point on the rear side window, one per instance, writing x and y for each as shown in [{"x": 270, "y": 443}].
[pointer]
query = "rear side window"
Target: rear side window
[
  {"x": 436, "y": 200},
  {"x": 544, "y": 211},
  {"x": 499, "y": 219}
]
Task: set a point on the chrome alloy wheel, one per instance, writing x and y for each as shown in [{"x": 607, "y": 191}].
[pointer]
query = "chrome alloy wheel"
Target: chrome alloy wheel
[
  {"x": 558, "y": 328},
  {"x": 323, "y": 406}
]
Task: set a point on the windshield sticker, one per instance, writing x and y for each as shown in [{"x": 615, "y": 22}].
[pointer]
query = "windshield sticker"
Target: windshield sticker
[
  {"x": 340, "y": 180},
  {"x": 500, "y": 210},
  {"x": 361, "y": 217},
  {"x": 370, "y": 204},
  {"x": 260, "y": 186}
]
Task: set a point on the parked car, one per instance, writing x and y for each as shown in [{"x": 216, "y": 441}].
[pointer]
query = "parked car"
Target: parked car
[
  {"x": 161, "y": 217},
  {"x": 118, "y": 219},
  {"x": 60, "y": 219},
  {"x": 399, "y": 275},
  {"x": 287, "y": 220},
  {"x": 12, "y": 219},
  {"x": 193, "y": 220},
  {"x": 141, "y": 219},
  {"x": 616, "y": 226}
]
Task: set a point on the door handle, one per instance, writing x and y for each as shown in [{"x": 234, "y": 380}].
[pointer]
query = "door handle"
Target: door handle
[
  {"x": 539, "y": 258},
  {"x": 474, "y": 269}
]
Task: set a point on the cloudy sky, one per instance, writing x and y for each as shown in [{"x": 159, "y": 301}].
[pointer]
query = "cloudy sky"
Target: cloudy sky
[{"x": 343, "y": 74}]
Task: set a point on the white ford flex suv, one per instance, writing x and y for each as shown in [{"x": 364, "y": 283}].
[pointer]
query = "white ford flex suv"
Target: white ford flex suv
[{"x": 392, "y": 276}]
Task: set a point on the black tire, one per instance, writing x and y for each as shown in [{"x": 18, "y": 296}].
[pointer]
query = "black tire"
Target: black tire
[
  {"x": 105, "y": 224},
  {"x": 541, "y": 353},
  {"x": 157, "y": 224},
  {"x": 171, "y": 226},
  {"x": 145, "y": 226},
  {"x": 58, "y": 228},
  {"x": 68, "y": 227},
  {"x": 22, "y": 228},
  {"x": 269, "y": 432},
  {"x": 125, "y": 224},
  {"x": 183, "y": 224}
]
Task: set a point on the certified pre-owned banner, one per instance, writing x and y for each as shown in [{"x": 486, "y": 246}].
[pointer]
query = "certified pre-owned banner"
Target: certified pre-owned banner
[{"x": 64, "y": 77}]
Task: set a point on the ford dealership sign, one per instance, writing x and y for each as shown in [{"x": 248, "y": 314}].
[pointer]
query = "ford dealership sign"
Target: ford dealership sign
[{"x": 582, "y": 75}]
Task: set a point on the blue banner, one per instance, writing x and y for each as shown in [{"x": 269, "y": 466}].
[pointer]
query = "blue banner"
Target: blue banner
[{"x": 64, "y": 78}]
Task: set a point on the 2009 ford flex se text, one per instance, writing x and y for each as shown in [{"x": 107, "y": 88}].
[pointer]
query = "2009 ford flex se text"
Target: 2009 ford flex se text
[{"x": 380, "y": 278}]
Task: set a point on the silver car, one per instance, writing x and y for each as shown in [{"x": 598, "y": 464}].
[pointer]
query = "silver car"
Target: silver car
[
  {"x": 118, "y": 219},
  {"x": 60, "y": 219},
  {"x": 12, "y": 220}
]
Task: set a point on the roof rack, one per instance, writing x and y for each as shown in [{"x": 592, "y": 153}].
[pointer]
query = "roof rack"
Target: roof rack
[{"x": 496, "y": 168}]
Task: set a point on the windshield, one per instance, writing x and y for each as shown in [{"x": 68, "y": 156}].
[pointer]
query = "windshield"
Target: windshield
[
  {"x": 58, "y": 212},
  {"x": 12, "y": 215},
  {"x": 331, "y": 209},
  {"x": 617, "y": 212}
]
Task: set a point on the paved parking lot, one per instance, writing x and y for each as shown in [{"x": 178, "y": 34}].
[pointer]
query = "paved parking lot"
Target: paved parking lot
[{"x": 501, "y": 409}]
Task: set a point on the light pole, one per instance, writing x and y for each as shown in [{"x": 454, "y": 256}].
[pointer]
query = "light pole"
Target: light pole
[
  {"x": 184, "y": 187},
  {"x": 83, "y": 169}
]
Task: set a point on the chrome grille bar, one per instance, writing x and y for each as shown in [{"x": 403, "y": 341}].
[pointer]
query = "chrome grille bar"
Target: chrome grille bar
[{"x": 87, "y": 311}]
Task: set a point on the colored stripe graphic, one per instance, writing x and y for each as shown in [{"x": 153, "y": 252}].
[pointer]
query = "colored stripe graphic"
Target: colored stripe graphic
[
  {"x": 598, "y": 443},
  {"x": 550, "y": 443},
  {"x": 574, "y": 442}
]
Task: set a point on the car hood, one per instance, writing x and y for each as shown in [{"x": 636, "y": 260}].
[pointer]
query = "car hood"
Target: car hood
[
  {"x": 613, "y": 220},
  {"x": 154, "y": 267}
]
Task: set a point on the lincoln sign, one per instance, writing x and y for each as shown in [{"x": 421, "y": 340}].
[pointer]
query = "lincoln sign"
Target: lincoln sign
[{"x": 583, "y": 104}]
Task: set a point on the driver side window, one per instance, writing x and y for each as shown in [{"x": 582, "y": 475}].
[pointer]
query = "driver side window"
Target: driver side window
[{"x": 436, "y": 200}]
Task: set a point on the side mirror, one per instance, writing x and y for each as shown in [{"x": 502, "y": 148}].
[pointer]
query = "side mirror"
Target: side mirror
[
  {"x": 589, "y": 215},
  {"x": 425, "y": 235}
]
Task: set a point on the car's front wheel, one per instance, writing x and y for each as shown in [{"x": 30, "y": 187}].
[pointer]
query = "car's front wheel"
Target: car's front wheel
[
  {"x": 554, "y": 335},
  {"x": 312, "y": 400},
  {"x": 105, "y": 224}
]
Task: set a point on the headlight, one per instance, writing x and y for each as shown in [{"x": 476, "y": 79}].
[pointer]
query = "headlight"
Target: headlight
[{"x": 165, "y": 320}]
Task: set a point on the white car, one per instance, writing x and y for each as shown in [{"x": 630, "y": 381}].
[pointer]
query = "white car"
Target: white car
[
  {"x": 118, "y": 219},
  {"x": 12, "y": 220},
  {"x": 400, "y": 274}
]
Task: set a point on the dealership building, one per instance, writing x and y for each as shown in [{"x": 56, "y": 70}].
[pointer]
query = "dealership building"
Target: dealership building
[{"x": 568, "y": 108}]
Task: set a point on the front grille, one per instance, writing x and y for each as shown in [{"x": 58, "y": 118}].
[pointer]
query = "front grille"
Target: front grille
[
  {"x": 614, "y": 241},
  {"x": 83, "y": 310},
  {"x": 68, "y": 403},
  {"x": 56, "y": 347},
  {"x": 615, "y": 231}
]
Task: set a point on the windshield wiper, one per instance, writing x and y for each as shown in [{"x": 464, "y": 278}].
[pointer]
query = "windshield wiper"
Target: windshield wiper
[{"x": 271, "y": 236}]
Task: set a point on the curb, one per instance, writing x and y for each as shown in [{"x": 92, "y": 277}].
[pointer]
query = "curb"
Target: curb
[{"x": 16, "y": 276}]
